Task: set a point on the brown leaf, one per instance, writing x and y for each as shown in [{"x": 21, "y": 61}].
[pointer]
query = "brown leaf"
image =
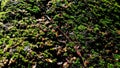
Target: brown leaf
[
  {"x": 34, "y": 66},
  {"x": 78, "y": 52},
  {"x": 116, "y": 51},
  {"x": 49, "y": 60},
  {"x": 46, "y": 22},
  {"x": 65, "y": 65},
  {"x": 86, "y": 63},
  {"x": 65, "y": 49},
  {"x": 59, "y": 52},
  {"x": 118, "y": 31}
]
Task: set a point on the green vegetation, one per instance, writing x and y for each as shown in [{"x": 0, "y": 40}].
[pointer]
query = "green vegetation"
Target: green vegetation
[{"x": 59, "y": 33}]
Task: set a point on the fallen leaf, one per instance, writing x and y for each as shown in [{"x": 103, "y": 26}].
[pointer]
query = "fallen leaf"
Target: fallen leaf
[
  {"x": 49, "y": 60},
  {"x": 65, "y": 65},
  {"x": 86, "y": 63},
  {"x": 118, "y": 31}
]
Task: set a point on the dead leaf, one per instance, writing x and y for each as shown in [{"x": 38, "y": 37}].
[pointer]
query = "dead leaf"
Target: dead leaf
[
  {"x": 65, "y": 49},
  {"x": 65, "y": 65},
  {"x": 59, "y": 63},
  {"x": 34, "y": 66},
  {"x": 49, "y": 60},
  {"x": 56, "y": 34},
  {"x": 1, "y": 65},
  {"x": 118, "y": 31},
  {"x": 86, "y": 63},
  {"x": 116, "y": 51},
  {"x": 47, "y": 22},
  {"x": 59, "y": 52},
  {"x": 11, "y": 61},
  {"x": 53, "y": 30},
  {"x": 48, "y": 43}
]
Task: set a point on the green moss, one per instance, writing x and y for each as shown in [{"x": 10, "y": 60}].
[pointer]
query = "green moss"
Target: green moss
[{"x": 47, "y": 32}]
